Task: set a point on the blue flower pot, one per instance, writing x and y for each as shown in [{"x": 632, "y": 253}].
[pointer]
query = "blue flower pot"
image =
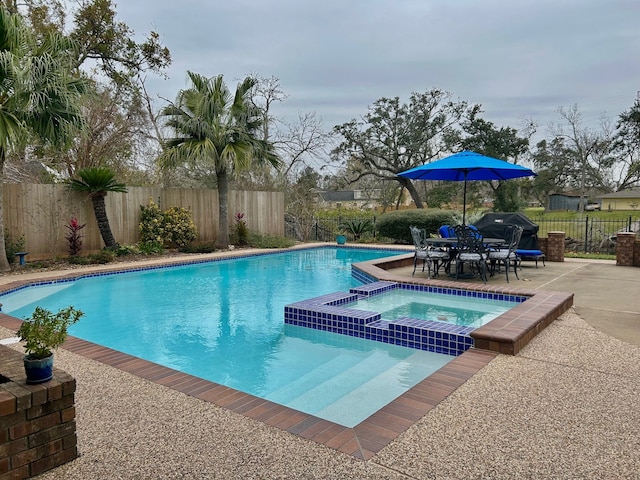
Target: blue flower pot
[
  {"x": 341, "y": 239},
  {"x": 38, "y": 370}
]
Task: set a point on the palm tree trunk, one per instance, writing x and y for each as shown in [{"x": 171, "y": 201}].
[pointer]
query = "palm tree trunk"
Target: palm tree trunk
[
  {"x": 222, "y": 241},
  {"x": 100, "y": 211},
  {"x": 4, "y": 263}
]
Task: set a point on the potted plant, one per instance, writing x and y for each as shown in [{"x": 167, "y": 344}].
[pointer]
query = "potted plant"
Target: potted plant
[
  {"x": 42, "y": 333},
  {"x": 341, "y": 238}
]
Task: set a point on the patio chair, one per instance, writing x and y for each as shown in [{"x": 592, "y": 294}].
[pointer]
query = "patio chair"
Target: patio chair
[
  {"x": 431, "y": 256},
  {"x": 471, "y": 250},
  {"x": 507, "y": 255}
]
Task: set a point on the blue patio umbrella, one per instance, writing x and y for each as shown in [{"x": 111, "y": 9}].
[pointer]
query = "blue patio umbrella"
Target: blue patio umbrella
[{"x": 467, "y": 165}]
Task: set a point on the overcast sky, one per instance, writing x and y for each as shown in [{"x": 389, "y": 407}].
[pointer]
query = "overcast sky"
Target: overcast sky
[{"x": 519, "y": 59}]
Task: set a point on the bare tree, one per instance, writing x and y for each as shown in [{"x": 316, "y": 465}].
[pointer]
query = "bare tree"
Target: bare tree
[
  {"x": 588, "y": 148},
  {"x": 264, "y": 94},
  {"x": 303, "y": 144},
  {"x": 299, "y": 143}
]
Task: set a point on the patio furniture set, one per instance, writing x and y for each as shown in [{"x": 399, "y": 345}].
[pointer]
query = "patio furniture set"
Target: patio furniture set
[{"x": 465, "y": 245}]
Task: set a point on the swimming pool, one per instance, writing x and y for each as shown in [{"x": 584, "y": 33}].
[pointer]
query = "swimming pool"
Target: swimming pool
[{"x": 223, "y": 321}]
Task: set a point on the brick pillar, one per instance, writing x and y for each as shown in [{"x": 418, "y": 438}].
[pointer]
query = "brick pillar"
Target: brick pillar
[
  {"x": 636, "y": 253},
  {"x": 624, "y": 248},
  {"x": 542, "y": 244},
  {"x": 555, "y": 247}
]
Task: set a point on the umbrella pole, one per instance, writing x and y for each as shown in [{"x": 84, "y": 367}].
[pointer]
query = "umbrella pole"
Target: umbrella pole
[{"x": 464, "y": 203}]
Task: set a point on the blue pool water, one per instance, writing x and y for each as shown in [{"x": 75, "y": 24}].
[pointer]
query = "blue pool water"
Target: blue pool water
[
  {"x": 452, "y": 309},
  {"x": 223, "y": 321}
]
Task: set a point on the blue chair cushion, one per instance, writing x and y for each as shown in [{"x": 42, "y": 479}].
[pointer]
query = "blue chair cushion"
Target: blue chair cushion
[
  {"x": 447, "y": 231},
  {"x": 529, "y": 253},
  {"x": 475, "y": 231}
]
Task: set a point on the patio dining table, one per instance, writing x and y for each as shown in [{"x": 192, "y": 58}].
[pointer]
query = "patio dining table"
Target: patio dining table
[
  {"x": 449, "y": 244},
  {"x": 452, "y": 242}
]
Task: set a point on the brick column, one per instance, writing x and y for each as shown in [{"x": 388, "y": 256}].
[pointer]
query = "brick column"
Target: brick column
[
  {"x": 542, "y": 244},
  {"x": 555, "y": 247},
  {"x": 624, "y": 248},
  {"x": 636, "y": 253}
]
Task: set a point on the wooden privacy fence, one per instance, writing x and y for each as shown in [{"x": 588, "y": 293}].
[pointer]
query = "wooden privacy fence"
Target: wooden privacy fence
[{"x": 40, "y": 212}]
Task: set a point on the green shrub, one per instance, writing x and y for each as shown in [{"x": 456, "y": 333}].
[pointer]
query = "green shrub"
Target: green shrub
[
  {"x": 207, "y": 247},
  {"x": 332, "y": 222},
  {"x": 179, "y": 228},
  {"x": 150, "y": 247},
  {"x": 78, "y": 260},
  {"x": 173, "y": 226},
  {"x": 343, "y": 214},
  {"x": 12, "y": 247},
  {"x": 151, "y": 223},
  {"x": 269, "y": 241},
  {"x": 124, "y": 250},
  {"x": 395, "y": 225},
  {"x": 37, "y": 264},
  {"x": 357, "y": 227},
  {"x": 103, "y": 256}
]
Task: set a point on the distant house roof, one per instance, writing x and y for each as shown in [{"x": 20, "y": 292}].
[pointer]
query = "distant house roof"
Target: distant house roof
[
  {"x": 568, "y": 195},
  {"x": 341, "y": 196},
  {"x": 622, "y": 194}
]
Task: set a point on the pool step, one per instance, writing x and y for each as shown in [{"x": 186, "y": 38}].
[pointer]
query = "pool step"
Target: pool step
[
  {"x": 343, "y": 381},
  {"x": 308, "y": 380},
  {"x": 385, "y": 387},
  {"x": 33, "y": 295}
]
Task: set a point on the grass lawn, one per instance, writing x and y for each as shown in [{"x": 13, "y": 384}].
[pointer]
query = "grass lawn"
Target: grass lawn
[{"x": 603, "y": 215}]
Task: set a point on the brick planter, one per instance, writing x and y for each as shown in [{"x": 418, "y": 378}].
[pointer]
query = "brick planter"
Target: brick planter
[{"x": 37, "y": 422}]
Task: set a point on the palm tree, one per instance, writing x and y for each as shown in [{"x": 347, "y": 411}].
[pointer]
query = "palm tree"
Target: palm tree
[
  {"x": 97, "y": 182},
  {"x": 38, "y": 94},
  {"x": 220, "y": 129}
]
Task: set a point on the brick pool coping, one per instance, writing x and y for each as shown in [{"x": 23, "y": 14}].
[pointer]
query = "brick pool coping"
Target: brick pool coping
[{"x": 506, "y": 334}]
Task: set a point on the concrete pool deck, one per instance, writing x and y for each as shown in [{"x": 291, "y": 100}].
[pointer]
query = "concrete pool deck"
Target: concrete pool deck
[{"x": 564, "y": 406}]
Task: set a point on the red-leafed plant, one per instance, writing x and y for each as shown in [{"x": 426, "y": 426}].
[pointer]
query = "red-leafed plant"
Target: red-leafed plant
[
  {"x": 241, "y": 229},
  {"x": 74, "y": 237}
]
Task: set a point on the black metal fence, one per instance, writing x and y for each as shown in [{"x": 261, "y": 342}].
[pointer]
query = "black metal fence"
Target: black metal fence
[
  {"x": 583, "y": 234},
  {"x": 588, "y": 234},
  {"x": 316, "y": 229}
]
